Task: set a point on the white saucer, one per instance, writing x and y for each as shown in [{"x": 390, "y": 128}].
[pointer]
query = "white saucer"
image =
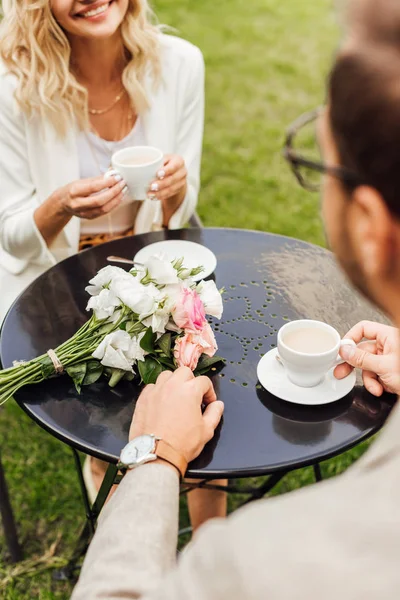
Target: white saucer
[
  {"x": 194, "y": 255},
  {"x": 272, "y": 376}
]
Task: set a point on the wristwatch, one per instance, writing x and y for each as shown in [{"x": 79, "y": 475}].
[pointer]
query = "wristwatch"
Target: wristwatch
[{"x": 148, "y": 447}]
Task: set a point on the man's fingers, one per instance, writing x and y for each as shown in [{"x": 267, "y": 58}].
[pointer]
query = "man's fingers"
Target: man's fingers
[
  {"x": 342, "y": 371},
  {"x": 365, "y": 329},
  {"x": 163, "y": 377},
  {"x": 211, "y": 417},
  {"x": 361, "y": 359},
  {"x": 183, "y": 374},
  {"x": 372, "y": 384},
  {"x": 204, "y": 385}
]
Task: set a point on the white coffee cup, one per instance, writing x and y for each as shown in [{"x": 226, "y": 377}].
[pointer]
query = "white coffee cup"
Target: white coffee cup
[
  {"x": 307, "y": 369},
  {"x": 138, "y": 175}
]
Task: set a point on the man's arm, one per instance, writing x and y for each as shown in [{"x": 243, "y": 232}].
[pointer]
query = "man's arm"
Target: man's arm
[{"x": 135, "y": 541}]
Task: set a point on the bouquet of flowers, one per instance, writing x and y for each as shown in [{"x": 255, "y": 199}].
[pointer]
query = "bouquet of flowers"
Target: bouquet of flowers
[{"x": 145, "y": 321}]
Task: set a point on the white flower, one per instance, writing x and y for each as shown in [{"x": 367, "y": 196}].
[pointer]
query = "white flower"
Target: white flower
[
  {"x": 114, "y": 349},
  {"x": 211, "y": 298},
  {"x": 185, "y": 273},
  {"x": 104, "y": 304},
  {"x": 161, "y": 270},
  {"x": 157, "y": 321},
  {"x": 141, "y": 299},
  {"x": 104, "y": 277},
  {"x": 135, "y": 351}
]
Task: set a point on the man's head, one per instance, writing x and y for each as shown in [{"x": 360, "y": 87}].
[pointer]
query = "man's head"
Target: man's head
[{"x": 360, "y": 130}]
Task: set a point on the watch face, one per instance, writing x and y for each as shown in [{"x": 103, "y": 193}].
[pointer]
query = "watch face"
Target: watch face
[{"x": 137, "y": 448}]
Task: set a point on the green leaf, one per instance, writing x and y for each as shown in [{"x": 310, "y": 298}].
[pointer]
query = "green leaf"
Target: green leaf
[
  {"x": 149, "y": 370},
  {"x": 117, "y": 375},
  {"x": 165, "y": 343},
  {"x": 166, "y": 362},
  {"x": 123, "y": 326},
  {"x": 206, "y": 363},
  {"x": 147, "y": 341},
  {"x": 77, "y": 373},
  {"x": 47, "y": 367},
  {"x": 94, "y": 370}
]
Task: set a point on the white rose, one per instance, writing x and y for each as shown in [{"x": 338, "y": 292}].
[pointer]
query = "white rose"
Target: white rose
[
  {"x": 113, "y": 351},
  {"x": 135, "y": 351},
  {"x": 211, "y": 298},
  {"x": 104, "y": 277},
  {"x": 104, "y": 304},
  {"x": 161, "y": 270},
  {"x": 139, "y": 298}
]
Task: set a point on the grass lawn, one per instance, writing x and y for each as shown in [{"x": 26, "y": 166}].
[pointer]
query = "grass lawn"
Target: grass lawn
[{"x": 266, "y": 63}]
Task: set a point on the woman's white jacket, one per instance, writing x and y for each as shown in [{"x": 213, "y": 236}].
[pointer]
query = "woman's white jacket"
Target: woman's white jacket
[{"x": 34, "y": 162}]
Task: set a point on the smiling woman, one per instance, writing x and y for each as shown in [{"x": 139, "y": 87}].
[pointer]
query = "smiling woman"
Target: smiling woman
[{"x": 79, "y": 80}]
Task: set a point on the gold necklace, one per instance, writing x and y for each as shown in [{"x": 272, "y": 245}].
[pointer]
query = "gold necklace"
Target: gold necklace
[{"x": 102, "y": 111}]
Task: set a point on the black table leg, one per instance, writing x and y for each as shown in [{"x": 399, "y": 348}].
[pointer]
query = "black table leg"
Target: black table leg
[
  {"x": 10, "y": 529},
  {"x": 317, "y": 472},
  {"x": 70, "y": 570},
  {"x": 85, "y": 497}
]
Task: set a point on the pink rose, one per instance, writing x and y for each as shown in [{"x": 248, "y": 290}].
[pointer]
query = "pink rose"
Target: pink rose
[
  {"x": 187, "y": 352},
  {"x": 189, "y": 311},
  {"x": 207, "y": 340},
  {"x": 191, "y": 346}
]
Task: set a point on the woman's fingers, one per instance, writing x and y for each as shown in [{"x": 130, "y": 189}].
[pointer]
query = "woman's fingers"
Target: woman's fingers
[
  {"x": 172, "y": 163},
  {"x": 169, "y": 186},
  {"x": 170, "y": 179},
  {"x": 85, "y": 187},
  {"x": 98, "y": 201},
  {"x": 103, "y": 210}
]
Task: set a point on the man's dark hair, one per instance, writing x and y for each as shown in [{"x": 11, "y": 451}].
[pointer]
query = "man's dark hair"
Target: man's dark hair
[{"x": 364, "y": 96}]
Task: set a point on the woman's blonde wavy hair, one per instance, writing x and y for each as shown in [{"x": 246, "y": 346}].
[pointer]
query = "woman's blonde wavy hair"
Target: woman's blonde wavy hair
[{"x": 35, "y": 49}]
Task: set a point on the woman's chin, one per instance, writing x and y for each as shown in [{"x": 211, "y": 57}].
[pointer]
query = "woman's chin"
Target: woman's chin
[
  {"x": 101, "y": 31},
  {"x": 103, "y": 25}
]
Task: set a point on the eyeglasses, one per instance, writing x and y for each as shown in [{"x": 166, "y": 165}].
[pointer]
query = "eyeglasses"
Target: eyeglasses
[{"x": 302, "y": 152}]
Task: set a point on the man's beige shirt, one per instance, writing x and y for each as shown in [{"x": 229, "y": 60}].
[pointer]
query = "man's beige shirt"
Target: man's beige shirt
[{"x": 336, "y": 540}]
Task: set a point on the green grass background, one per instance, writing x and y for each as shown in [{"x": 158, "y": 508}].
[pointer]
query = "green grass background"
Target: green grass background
[{"x": 266, "y": 62}]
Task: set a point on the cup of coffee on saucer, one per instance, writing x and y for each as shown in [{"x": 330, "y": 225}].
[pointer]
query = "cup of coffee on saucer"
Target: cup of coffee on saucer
[
  {"x": 308, "y": 350},
  {"x": 138, "y": 167},
  {"x": 300, "y": 369}
]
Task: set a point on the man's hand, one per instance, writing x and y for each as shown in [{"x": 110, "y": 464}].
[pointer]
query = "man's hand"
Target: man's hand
[
  {"x": 378, "y": 357},
  {"x": 172, "y": 410}
]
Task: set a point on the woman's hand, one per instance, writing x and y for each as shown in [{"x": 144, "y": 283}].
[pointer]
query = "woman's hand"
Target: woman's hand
[
  {"x": 85, "y": 198},
  {"x": 91, "y": 198},
  {"x": 378, "y": 357},
  {"x": 170, "y": 185}
]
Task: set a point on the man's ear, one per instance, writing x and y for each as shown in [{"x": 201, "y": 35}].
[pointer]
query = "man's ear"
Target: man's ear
[{"x": 374, "y": 232}]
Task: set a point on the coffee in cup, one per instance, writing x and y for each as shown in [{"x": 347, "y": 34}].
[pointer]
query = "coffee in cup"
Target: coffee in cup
[
  {"x": 138, "y": 167},
  {"x": 308, "y": 350}
]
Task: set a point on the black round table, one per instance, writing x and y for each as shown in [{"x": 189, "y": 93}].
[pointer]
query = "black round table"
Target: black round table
[{"x": 268, "y": 279}]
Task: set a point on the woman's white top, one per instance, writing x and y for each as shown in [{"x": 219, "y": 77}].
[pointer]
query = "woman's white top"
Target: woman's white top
[
  {"x": 35, "y": 161},
  {"x": 94, "y": 154}
]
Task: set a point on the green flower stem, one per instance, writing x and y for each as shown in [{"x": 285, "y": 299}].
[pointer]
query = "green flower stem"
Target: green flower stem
[{"x": 78, "y": 348}]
